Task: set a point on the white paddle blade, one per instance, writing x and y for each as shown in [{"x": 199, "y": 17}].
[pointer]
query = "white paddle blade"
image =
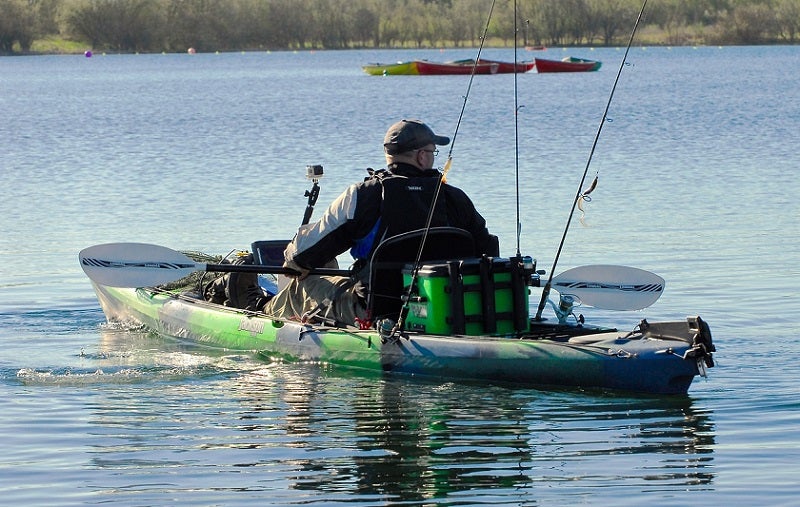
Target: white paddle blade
[
  {"x": 135, "y": 264},
  {"x": 610, "y": 287}
]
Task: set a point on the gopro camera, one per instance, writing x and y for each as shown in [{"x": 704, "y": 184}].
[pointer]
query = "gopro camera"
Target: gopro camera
[{"x": 313, "y": 172}]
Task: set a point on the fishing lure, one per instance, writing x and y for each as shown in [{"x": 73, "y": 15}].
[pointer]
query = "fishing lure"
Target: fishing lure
[{"x": 584, "y": 197}]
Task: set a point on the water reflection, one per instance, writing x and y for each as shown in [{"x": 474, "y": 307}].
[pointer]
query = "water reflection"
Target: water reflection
[
  {"x": 414, "y": 440},
  {"x": 310, "y": 433},
  {"x": 655, "y": 441}
]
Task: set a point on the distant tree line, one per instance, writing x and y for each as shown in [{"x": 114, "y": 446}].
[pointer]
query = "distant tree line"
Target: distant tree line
[{"x": 227, "y": 25}]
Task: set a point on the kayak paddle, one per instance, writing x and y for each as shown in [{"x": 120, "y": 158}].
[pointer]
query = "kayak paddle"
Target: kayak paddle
[
  {"x": 610, "y": 287},
  {"x": 145, "y": 265}
]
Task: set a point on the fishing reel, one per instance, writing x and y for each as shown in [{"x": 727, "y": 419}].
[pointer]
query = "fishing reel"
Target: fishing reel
[
  {"x": 533, "y": 276},
  {"x": 565, "y": 308}
]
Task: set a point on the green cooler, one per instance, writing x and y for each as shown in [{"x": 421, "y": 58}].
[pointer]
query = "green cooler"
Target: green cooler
[{"x": 470, "y": 296}]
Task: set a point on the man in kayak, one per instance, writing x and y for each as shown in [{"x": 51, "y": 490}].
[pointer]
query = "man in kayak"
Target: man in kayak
[{"x": 392, "y": 201}]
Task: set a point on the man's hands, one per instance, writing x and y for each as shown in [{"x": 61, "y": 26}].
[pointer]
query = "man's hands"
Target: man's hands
[{"x": 302, "y": 273}]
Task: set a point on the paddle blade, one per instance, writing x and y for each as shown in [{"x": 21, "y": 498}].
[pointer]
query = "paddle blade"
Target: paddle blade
[
  {"x": 135, "y": 264},
  {"x": 610, "y": 287}
]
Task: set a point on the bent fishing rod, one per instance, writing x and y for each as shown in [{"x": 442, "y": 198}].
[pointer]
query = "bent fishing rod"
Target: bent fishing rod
[{"x": 579, "y": 195}]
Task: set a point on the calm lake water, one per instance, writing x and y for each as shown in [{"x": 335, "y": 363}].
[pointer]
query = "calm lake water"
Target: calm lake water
[{"x": 698, "y": 176}]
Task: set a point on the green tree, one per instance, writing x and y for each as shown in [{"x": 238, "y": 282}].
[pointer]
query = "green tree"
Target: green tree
[
  {"x": 553, "y": 17},
  {"x": 291, "y": 22},
  {"x": 204, "y": 25},
  {"x": 208, "y": 25},
  {"x": 123, "y": 26},
  {"x": 434, "y": 24},
  {"x": 669, "y": 16},
  {"x": 332, "y": 23},
  {"x": 46, "y": 14},
  {"x": 17, "y": 25},
  {"x": 466, "y": 21},
  {"x": 749, "y": 24},
  {"x": 501, "y": 25},
  {"x": 252, "y": 22},
  {"x": 366, "y": 27},
  {"x": 612, "y": 16},
  {"x": 787, "y": 18}
]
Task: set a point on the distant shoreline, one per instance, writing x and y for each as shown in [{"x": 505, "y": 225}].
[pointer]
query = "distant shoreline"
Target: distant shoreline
[
  {"x": 87, "y": 51},
  {"x": 62, "y": 46}
]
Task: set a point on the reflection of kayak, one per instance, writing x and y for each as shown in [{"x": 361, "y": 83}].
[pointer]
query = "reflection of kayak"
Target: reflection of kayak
[
  {"x": 568, "y": 64},
  {"x": 468, "y": 319}
]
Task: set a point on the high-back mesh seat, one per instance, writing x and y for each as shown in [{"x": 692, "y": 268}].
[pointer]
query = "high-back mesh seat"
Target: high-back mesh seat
[{"x": 386, "y": 264}]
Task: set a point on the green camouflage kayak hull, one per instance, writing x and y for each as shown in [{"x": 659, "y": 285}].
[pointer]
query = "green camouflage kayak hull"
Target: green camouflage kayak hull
[{"x": 658, "y": 358}]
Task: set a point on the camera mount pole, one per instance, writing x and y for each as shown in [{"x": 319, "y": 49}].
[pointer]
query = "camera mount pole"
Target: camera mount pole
[{"x": 314, "y": 173}]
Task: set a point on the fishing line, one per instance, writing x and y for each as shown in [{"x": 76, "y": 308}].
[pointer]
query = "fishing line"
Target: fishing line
[
  {"x": 469, "y": 88},
  {"x": 585, "y": 197},
  {"x": 443, "y": 178},
  {"x": 578, "y": 195},
  {"x": 516, "y": 132}
]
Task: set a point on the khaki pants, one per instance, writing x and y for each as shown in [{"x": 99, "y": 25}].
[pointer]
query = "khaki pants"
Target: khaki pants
[{"x": 302, "y": 296}]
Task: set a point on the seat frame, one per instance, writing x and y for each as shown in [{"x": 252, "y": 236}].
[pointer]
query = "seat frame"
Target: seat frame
[{"x": 385, "y": 285}]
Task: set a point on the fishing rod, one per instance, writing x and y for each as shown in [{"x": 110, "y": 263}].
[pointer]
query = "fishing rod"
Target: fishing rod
[
  {"x": 443, "y": 178},
  {"x": 516, "y": 133},
  {"x": 579, "y": 195}
]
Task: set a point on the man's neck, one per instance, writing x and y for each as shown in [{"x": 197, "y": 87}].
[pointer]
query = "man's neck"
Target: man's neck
[{"x": 405, "y": 169}]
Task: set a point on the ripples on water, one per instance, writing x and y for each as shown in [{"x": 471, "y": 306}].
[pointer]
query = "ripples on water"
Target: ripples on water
[
  {"x": 301, "y": 436},
  {"x": 696, "y": 177},
  {"x": 137, "y": 418}
]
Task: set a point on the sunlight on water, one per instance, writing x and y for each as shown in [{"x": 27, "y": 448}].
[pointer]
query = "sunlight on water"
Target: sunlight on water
[{"x": 695, "y": 175}]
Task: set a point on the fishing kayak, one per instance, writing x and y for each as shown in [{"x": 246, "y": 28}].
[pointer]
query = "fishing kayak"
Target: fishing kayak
[{"x": 655, "y": 358}]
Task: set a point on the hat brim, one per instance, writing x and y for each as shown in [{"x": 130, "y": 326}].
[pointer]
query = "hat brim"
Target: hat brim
[{"x": 441, "y": 140}]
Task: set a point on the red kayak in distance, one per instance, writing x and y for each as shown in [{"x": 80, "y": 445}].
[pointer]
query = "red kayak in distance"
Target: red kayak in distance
[
  {"x": 568, "y": 64},
  {"x": 427, "y": 68},
  {"x": 457, "y": 67}
]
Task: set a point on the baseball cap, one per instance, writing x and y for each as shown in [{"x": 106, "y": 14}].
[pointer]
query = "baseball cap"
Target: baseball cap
[{"x": 407, "y": 135}]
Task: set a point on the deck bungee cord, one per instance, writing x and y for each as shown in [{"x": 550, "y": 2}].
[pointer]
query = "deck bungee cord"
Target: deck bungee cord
[{"x": 583, "y": 195}]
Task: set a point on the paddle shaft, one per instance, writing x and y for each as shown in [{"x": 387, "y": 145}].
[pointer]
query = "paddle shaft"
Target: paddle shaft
[
  {"x": 275, "y": 270},
  {"x": 144, "y": 265}
]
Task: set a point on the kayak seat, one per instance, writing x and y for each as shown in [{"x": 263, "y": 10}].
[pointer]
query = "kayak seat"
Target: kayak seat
[
  {"x": 385, "y": 285},
  {"x": 269, "y": 253}
]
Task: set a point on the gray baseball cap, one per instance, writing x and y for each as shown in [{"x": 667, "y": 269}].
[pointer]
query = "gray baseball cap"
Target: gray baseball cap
[{"x": 407, "y": 135}]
